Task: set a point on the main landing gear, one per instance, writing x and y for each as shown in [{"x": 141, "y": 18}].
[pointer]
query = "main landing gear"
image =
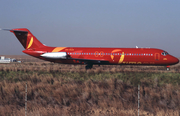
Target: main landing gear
[{"x": 89, "y": 66}]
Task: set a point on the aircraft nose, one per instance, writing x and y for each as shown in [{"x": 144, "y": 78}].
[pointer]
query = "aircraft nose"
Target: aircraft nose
[{"x": 175, "y": 60}]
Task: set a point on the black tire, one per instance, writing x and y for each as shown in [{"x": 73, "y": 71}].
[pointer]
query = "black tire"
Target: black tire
[{"x": 89, "y": 66}]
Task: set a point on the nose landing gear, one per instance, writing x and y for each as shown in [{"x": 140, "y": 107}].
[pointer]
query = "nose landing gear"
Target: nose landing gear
[{"x": 167, "y": 68}]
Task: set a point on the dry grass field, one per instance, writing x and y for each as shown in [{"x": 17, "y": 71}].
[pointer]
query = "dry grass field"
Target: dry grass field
[{"x": 58, "y": 89}]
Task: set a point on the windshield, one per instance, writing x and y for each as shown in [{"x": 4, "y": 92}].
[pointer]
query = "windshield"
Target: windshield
[{"x": 164, "y": 53}]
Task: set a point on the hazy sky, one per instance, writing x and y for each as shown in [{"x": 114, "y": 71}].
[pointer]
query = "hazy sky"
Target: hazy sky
[{"x": 93, "y": 23}]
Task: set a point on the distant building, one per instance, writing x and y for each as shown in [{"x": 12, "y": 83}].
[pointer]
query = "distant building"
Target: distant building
[
  {"x": 13, "y": 60},
  {"x": 5, "y": 60},
  {"x": 8, "y": 60}
]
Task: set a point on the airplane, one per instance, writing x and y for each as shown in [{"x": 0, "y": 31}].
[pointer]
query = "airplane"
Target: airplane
[{"x": 92, "y": 55}]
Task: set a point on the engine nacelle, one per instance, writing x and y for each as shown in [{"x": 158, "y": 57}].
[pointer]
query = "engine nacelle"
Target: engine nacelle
[{"x": 55, "y": 55}]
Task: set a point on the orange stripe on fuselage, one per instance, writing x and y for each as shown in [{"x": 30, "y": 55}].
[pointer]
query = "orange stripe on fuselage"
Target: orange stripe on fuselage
[{"x": 58, "y": 49}]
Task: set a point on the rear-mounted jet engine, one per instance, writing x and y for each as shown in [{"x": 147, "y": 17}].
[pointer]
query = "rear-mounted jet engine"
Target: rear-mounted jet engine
[{"x": 55, "y": 55}]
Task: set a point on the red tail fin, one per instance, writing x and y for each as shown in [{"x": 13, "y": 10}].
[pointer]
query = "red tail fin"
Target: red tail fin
[{"x": 26, "y": 38}]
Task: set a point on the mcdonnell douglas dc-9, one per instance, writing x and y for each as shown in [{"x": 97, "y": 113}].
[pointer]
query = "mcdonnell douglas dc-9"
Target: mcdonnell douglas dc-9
[{"x": 92, "y": 55}]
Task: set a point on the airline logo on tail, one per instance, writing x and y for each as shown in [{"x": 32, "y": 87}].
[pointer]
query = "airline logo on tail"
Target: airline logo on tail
[
  {"x": 26, "y": 38},
  {"x": 30, "y": 43}
]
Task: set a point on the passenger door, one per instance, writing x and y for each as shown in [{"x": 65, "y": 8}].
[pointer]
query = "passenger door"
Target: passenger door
[{"x": 156, "y": 56}]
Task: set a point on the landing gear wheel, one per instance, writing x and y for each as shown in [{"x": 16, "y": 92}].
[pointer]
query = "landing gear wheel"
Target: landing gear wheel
[
  {"x": 89, "y": 66},
  {"x": 167, "y": 68}
]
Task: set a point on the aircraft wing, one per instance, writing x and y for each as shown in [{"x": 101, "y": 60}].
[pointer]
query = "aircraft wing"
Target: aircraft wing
[{"x": 91, "y": 61}]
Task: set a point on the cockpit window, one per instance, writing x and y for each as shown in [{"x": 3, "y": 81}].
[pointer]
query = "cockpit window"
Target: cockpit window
[{"x": 164, "y": 53}]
